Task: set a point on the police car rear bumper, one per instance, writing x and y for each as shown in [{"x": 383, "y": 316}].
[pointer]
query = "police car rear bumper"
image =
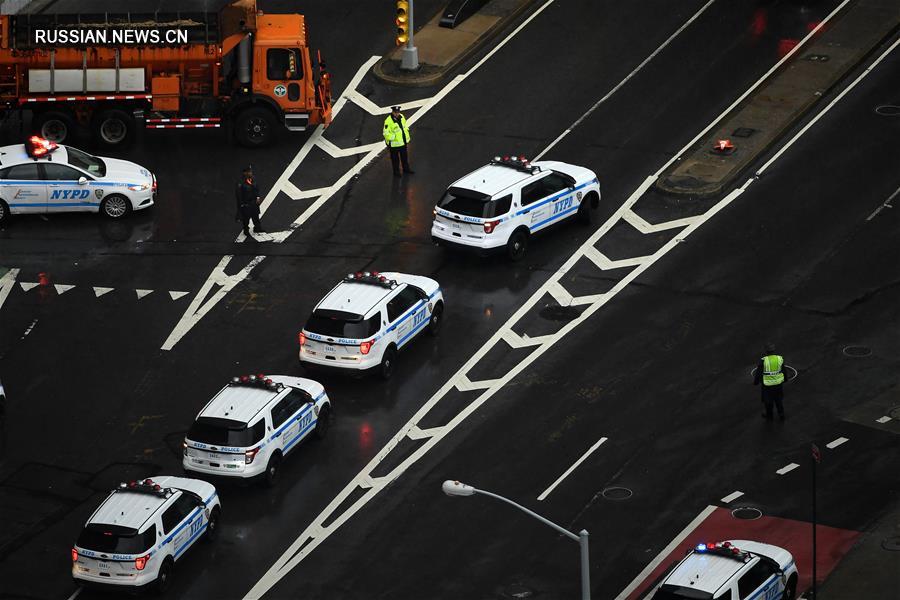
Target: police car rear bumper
[
  {"x": 95, "y": 581},
  {"x": 250, "y": 471},
  {"x": 482, "y": 247},
  {"x": 320, "y": 362}
]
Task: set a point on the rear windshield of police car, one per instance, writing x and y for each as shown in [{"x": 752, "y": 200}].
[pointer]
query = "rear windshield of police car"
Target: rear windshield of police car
[
  {"x": 225, "y": 432},
  {"x": 474, "y": 204},
  {"x": 333, "y": 323},
  {"x": 116, "y": 539}
]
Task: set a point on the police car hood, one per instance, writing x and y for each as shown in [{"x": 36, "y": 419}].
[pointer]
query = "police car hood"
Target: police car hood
[
  {"x": 124, "y": 171},
  {"x": 580, "y": 174},
  {"x": 779, "y": 555},
  {"x": 201, "y": 488},
  {"x": 429, "y": 286}
]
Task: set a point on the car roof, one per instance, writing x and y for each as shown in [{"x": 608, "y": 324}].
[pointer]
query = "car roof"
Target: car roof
[
  {"x": 704, "y": 572},
  {"x": 492, "y": 179},
  {"x": 355, "y": 297},
  {"x": 128, "y": 508},
  {"x": 16, "y": 155},
  {"x": 239, "y": 402}
]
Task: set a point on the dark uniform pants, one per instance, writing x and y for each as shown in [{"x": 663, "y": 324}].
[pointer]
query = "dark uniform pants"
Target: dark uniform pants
[
  {"x": 399, "y": 155},
  {"x": 773, "y": 394},
  {"x": 248, "y": 212}
]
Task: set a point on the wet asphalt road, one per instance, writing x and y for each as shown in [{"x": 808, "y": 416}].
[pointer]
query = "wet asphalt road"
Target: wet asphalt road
[{"x": 661, "y": 371}]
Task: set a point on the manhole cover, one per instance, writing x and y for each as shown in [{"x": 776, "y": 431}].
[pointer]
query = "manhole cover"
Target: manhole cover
[
  {"x": 888, "y": 110},
  {"x": 617, "y": 493},
  {"x": 891, "y": 543},
  {"x": 554, "y": 312},
  {"x": 856, "y": 351},
  {"x": 746, "y": 513},
  {"x": 743, "y": 132}
]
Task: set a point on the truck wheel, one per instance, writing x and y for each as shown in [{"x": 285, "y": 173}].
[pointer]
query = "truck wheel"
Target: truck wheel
[
  {"x": 255, "y": 127},
  {"x": 54, "y": 125},
  {"x": 113, "y": 128}
]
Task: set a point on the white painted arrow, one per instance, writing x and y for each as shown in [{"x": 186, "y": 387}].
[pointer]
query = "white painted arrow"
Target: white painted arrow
[
  {"x": 62, "y": 288},
  {"x": 142, "y": 293},
  {"x": 177, "y": 295},
  {"x": 99, "y": 291},
  {"x": 27, "y": 285}
]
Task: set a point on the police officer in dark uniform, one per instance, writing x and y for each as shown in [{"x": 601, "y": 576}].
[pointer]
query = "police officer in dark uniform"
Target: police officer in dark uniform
[
  {"x": 248, "y": 201},
  {"x": 770, "y": 372}
]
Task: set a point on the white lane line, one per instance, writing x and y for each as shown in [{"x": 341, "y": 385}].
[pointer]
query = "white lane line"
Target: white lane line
[
  {"x": 553, "y": 485},
  {"x": 142, "y": 293},
  {"x": 787, "y": 468},
  {"x": 62, "y": 288},
  {"x": 677, "y": 541},
  {"x": 883, "y": 419},
  {"x": 7, "y": 283},
  {"x": 887, "y": 204},
  {"x": 75, "y": 594},
  {"x": 27, "y": 285},
  {"x": 834, "y": 444},
  {"x": 99, "y": 291},
  {"x": 627, "y": 78},
  {"x": 731, "y": 497}
]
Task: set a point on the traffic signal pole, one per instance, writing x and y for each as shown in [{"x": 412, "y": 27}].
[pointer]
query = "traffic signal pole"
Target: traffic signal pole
[{"x": 409, "y": 58}]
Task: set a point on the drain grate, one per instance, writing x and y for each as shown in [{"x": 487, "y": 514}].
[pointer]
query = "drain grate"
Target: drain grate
[
  {"x": 743, "y": 132},
  {"x": 856, "y": 351},
  {"x": 888, "y": 110},
  {"x": 746, "y": 513},
  {"x": 555, "y": 312},
  {"x": 617, "y": 493}
]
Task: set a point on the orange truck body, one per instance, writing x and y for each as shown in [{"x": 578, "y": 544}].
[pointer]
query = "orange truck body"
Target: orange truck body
[{"x": 230, "y": 63}]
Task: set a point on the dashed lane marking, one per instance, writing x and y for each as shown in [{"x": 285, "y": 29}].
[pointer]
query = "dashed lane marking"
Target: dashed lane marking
[
  {"x": 787, "y": 468},
  {"x": 553, "y": 485},
  {"x": 27, "y": 285},
  {"x": 75, "y": 593},
  {"x": 732, "y": 497},
  {"x": 316, "y": 532},
  {"x": 834, "y": 444},
  {"x": 177, "y": 295}
]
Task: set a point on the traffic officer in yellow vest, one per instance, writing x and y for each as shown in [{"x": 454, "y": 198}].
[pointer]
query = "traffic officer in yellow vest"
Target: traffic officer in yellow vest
[
  {"x": 770, "y": 372},
  {"x": 396, "y": 136}
]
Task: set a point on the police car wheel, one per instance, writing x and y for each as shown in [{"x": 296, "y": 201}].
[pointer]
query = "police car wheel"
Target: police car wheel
[
  {"x": 322, "y": 423},
  {"x": 273, "y": 470},
  {"x": 516, "y": 246},
  {"x": 790, "y": 592},
  {"x": 212, "y": 527},
  {"x": 587, "y": 209},
  {"x": 437, "y": 317},
  {"x": 4, "y": 212},
  {"x": 115, "y": 206},
  {"x": 388, "y": 363},
  {"x": 164, "y": 577}
]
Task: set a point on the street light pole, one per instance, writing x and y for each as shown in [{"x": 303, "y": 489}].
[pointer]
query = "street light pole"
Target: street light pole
[
  {"x": 455, "y": 488},
  {"x": 409, "y": 59}
]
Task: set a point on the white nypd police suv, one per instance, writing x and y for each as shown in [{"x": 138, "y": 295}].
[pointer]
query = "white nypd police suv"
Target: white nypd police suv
[
  {"x": 731, "y": 570},
  {"x": 500, "y": 205},
  {"x": 40, "y": 177},
  {"x": 367, "y": 318},
  {"x": 142, "y": 529},
  {"x": 248, "y": 428}
]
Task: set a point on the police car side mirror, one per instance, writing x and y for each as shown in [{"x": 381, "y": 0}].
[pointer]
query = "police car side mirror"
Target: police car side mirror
[{"x": 82, "y": 180}]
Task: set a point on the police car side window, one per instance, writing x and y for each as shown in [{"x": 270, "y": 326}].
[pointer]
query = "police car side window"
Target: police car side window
[
  {"x": 280, "y": 413},
  {"x": 27, "y": 171},
  {"x": 296, "y": 399},
  {"x": 500, "y": 206},
  {"x": 754, "y": 578},
  {"x": 402, "y": 302},
  {"x": 171, "y": 518},
  {"x": 555, "y": 183},
  {"x": 533, "y": 192},
  {"x": 59, "y": 172}
]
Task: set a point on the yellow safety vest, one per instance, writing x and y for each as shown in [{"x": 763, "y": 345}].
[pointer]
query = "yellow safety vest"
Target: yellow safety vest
[
  {"x": 396, "y": 134},
  {"x": 772, "y": 373}
]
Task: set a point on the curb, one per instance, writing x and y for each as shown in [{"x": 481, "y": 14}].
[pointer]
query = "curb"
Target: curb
[{"x": 388, "y": 70}]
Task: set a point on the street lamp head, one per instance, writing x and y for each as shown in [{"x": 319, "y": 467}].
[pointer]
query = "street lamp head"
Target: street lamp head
[{"x": 455, "y": 488}]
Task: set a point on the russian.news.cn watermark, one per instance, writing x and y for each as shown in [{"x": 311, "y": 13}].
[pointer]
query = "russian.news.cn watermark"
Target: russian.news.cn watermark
[{"x": 113, "y": 36}]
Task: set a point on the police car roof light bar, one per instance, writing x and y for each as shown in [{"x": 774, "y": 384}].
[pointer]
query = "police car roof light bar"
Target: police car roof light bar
[
  {"x": 371, "y": 278},
  {"x": 724, "y": 549},
  {"x": 144, "y": 487},
  {"x": 38, "y": 146},
  {"x": 259, "y": 380},
  {"x": 519, "y": 163}
]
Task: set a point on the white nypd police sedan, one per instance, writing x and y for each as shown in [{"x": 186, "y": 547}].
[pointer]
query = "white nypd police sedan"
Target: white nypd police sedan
[{"x": 40, "y": 176}]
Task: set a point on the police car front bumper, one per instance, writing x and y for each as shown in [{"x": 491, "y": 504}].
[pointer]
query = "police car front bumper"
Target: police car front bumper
[{"x": 143, "y": 200}]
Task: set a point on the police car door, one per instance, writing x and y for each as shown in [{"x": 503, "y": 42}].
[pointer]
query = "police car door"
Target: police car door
[
  {"x": 184, "y": 521},
  {"x": 23, "y": 189},
  {"x": 407, "y": 312},
  {"x": 65, "y": 192},
  {"x": 761, "y": 582}
]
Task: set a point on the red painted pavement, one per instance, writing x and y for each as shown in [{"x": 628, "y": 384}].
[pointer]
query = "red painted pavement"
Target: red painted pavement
[{"x": 794, "y": 536}]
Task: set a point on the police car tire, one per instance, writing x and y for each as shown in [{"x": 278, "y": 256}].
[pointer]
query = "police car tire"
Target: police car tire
[
  {"x": 113, "y": 115},
  {"x": 587, "y": 208},
  {"x": 322, "y": 423},
  {"x": 250, "y": 118},
  {"x": 62, "y": 120},
  {"x": 434, "y": 323},
  {"x": 517, "y": 245},
  {"x": 105, "y": 206},
  {"x": 212, "y": 527},
  {"x": 790, "y": 591},
  {"x": 273, "y": 470},
  {"x": 164, "y": 577},
  {"x": 4, "y": 212},
  {"x": 388, "y": 363}
]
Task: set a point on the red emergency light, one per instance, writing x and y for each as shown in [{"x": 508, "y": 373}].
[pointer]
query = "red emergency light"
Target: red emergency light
[
  {"x": 723, "y": 147},
  {"x": 36, "y": 147}
]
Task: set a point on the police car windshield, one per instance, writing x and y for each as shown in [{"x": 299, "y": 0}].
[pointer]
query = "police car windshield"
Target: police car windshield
[
  {"x": 334, "y": 323},
  {"x": 83, "y": 160},
  {"x": 225, "y": 432},
  {"x": 115, "y": 539},
  {"x": 474, "y": 204}
]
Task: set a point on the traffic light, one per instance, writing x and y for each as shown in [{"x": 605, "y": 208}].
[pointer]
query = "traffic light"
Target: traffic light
[{"x": 402, "y": 22}]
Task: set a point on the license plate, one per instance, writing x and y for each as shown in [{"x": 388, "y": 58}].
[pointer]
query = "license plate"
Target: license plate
[
  {"x": 213, "y": 455},
  {"x": 455, "y": 225},
  {"x": 104, "y": 566},
  {"x": 330, "y": 349}
]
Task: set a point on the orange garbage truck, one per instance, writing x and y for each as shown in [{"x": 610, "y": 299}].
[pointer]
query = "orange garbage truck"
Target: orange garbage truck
[{"x": 114, "y": 73}]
